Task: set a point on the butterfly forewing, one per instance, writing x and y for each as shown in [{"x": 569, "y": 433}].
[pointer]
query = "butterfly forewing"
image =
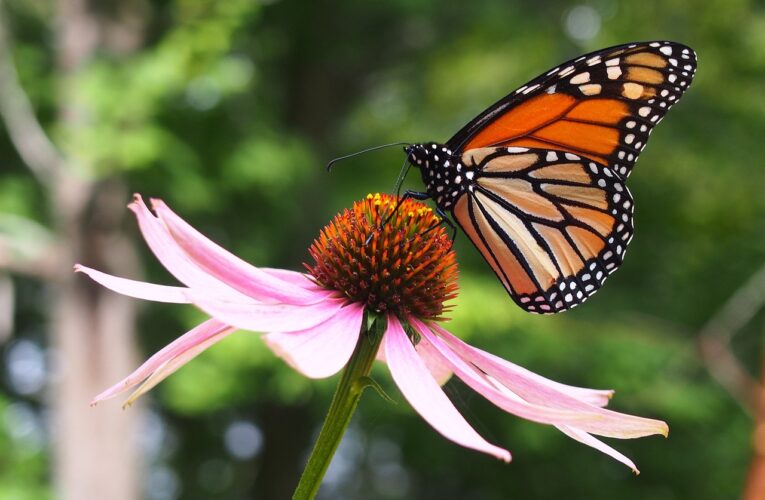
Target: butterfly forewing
[
  {"x": 552, "y": 224},
  {"x": 601, "y": 106}
]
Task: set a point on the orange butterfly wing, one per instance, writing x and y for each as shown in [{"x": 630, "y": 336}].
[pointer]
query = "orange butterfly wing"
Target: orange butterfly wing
[
  {"x": 552, "y": 224},
  {"x": 602, "y": 106},
  {"x": 547, "y": 207}
]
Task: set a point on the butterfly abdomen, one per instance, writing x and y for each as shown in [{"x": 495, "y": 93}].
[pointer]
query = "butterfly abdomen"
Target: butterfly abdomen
[{"x": 445, "y": 177}]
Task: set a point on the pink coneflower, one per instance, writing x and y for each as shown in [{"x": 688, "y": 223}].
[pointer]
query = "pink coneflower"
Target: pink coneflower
[{"x": 398, "y": 279}]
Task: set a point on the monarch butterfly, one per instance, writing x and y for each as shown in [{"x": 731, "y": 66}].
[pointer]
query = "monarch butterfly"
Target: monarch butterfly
[{"x": 536, "y": 181}]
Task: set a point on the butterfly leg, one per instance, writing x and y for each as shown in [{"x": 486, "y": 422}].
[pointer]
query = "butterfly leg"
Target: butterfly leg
[
  {"x": 448, "y": 221},
  {"x": 416, "y": 195},
  {"x": 444, "y": 220}
]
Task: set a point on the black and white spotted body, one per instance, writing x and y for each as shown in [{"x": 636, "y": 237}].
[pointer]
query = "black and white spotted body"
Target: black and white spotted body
[{"x": 445, "y": 177}]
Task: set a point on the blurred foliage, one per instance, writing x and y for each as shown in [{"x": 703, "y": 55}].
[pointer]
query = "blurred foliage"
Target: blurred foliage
[
  {"x": 21, "y": 463},
  {"x": 229, "y": 111}
]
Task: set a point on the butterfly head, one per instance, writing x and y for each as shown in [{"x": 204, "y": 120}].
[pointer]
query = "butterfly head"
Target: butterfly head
[
  {"x": 426, "y": 155},
  {"x": 440, "y": 170},
  {"x": 417, "y": 155}
]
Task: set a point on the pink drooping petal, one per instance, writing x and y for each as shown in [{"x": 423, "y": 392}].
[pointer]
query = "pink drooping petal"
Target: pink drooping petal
[
  {"x": 137, "y": 289},
  {"x": 599, "y": 445},
  {"x": 532, "y": 401},
  {"x": 189, "y": 340},
  {"x": 229, "y": 268},
  {"x": 597, "y": 397},
  {"x": 381, "y": 356},
  {"x": 171, "y": 256},
  {"x": 301, "y": 280},
  {"x": 600, "y": 421},
  {"x": 295, "y": 278},
  {"x": 172, "y": 365},
  {"x": 323, "y": 350},
  {"x": 505, "y": 399},
  {"x": 441, "y": 371},
  {"x": 424, "y": 394},
  {"x": 258, "y": 317}
]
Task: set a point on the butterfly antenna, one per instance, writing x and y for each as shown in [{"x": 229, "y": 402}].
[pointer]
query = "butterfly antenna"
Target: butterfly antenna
[
  {"x": 375, "y": 148},
  {"x": 401, "y": 176}
]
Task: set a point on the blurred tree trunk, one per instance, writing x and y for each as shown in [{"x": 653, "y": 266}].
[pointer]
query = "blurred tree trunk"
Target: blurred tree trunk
[
  {"x": 95, "y": 454},
  {"x": 714, "y": 342},
  {"x": 755, "y": 481}
]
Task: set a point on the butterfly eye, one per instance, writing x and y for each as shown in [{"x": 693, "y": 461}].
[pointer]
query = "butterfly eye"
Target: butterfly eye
[{"x": 414, "y": 155}]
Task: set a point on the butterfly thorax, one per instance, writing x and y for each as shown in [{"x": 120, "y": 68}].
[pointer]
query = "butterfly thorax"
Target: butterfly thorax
[{"x": 443, "y": 173}]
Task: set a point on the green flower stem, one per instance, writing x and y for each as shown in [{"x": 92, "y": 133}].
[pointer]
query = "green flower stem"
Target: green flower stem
[{"x": 347, "y": 395}]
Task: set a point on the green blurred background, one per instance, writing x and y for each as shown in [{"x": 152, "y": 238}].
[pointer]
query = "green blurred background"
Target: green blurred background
[{"x": 229, "y": 111}]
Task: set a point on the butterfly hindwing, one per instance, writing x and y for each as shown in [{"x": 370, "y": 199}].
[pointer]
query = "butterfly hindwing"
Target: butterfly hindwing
[
  {"x": 601, "y": 106},
  {"x": 552, "y": 224}
]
